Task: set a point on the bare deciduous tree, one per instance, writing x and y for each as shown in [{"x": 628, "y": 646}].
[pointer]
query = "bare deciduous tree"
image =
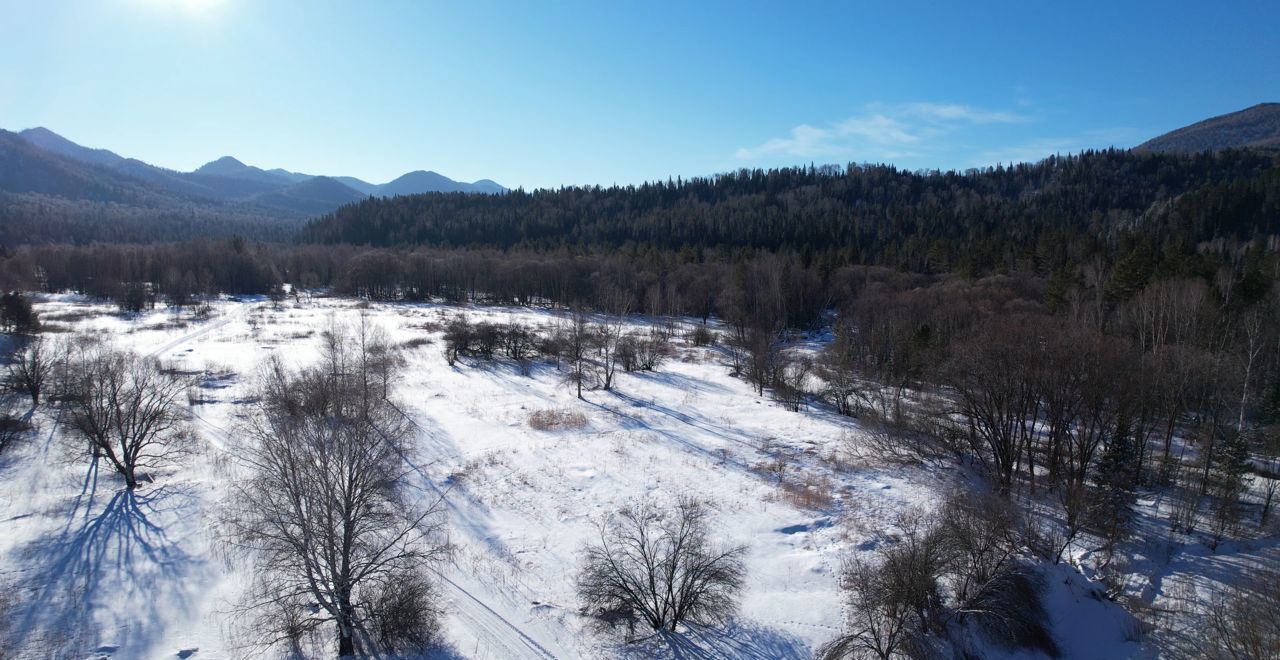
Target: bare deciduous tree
[
  {"x": 30, "y": 368},
  {"x": 661, "y": 567},
  {"x": 323, "y": 504},
  {"x": 609, "y": 335},
  {"x": 575, "y": 345},
  {"x": 880, "y": 624},
  {"x": 1244, "y": 620},
  {"x": 127, "y": 410}
]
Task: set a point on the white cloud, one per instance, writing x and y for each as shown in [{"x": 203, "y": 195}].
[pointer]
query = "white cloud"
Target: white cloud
[
  {"x": 952, "y": 112},
  {"x": 881, "y": 131}
]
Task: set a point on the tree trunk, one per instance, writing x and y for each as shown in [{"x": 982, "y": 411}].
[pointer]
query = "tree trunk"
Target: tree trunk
[{"x": 346, "y": 643}]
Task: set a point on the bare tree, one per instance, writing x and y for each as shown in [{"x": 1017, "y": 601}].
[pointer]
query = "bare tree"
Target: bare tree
[
  {"x": 896, "y": 606},
  {"x": 1243, "y": 622},
  {"x": 1270, "y": 474},
  {"x": 661, "y": 567},
  {"x": 893, "y": 601},
  {"x": 996, "y": 394},
  {"x": 30, "y": 368},
  {"x": 575, "y": 345},
  {"x": 609, "y": 335},
  {"x": 839, "y": 370},
  {"x": 880, "y": 625},
  {"x": 791, "y": 384},
  {"x": 323, "y": 505},
  {"x": 638, "y": 352},
  {"x": 127, "y": 409}
]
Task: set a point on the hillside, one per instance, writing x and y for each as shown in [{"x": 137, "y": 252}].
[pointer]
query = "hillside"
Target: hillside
[
  {"x": 1055, "y": 212},
  {"x": 312, "y": 196},
  {"x": 1257, "y": 127}
]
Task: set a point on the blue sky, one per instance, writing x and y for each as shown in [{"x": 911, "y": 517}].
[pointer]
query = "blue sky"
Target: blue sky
[{"x": 544, "y": 94}]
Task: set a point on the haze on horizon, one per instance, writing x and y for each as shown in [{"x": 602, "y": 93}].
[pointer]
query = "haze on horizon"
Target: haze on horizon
[{"x": 583, "y": 93}]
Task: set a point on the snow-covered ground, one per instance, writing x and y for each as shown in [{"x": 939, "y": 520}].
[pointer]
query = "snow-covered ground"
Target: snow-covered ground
[{"x": 95, "y": 571}]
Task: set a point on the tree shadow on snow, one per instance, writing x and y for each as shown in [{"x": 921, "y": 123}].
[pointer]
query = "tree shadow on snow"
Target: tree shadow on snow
[
  {"x": 110, "y": 571},
  {"x": 740, "y": 640}
]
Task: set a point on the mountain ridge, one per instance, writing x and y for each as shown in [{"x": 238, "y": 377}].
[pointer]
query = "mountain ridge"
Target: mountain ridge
[
  {"x": 229, "y": 180},
  {"x": 1255, "y": 127}
]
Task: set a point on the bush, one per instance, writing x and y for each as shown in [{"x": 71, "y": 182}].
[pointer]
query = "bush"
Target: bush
[
  {"x": 552, "y": 419},
  {"x": 403, "y": 613},
  {"x": 702, "y": 336},
  {"x": 11, "y": 430}
]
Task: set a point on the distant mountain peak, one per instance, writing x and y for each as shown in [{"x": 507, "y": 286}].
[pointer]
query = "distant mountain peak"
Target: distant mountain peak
[
  {"x": 226, "y": 163},
  {"x": 47, "y": 140},
  {"x": 1255, "y": 127},
  {"x": 228, "y": 179}
]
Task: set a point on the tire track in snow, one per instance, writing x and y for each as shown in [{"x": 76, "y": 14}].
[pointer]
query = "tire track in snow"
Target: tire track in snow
[
  {"x": 205, "y": 329},
  {"x": 494, "y": 627}
]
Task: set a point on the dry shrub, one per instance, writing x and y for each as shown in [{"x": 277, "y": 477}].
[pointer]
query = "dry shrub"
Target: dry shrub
[
  {"x": 404, "y": 613},
  {"x": 809, "y": 492},
  {"x": 416, "y": 342},
  {"x": 1244, "y": 618},
  {"x": 12, "y": 429},
  {"x": 556, "y": 419}
]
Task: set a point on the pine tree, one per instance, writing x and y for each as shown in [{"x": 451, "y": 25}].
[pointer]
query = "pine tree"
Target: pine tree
[
  {"x": 1230, "y": 482},
  {"x": 1111, "y": 508}
]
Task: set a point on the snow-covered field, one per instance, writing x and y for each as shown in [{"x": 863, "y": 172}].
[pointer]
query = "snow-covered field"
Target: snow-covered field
[{"x": 94, "y": 571}]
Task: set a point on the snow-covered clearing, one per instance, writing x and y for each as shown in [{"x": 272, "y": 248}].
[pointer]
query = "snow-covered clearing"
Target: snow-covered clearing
[{"x": 99, "y": 572}]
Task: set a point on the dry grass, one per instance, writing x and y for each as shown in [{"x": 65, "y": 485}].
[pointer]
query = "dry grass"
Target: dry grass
[
  {"x": 809, "y": 492},
  {"x": 556, "y": 419},
  {"x": 416, "y": 342},
  {"x": 69, "y": 315}
]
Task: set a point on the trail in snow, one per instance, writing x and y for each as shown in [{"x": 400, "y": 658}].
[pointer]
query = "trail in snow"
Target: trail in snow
[
  {"x": 493, "y": 627},
  {"x": 204, "y": 329}
]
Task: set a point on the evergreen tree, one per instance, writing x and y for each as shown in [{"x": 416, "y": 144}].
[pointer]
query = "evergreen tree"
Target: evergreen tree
[
  {"x": 1230, "y": 482},
  {"x": 1111, "y": 508}
]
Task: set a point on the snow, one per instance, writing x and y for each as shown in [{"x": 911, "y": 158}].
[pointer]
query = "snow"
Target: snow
[{"x": 98, "y": 572}]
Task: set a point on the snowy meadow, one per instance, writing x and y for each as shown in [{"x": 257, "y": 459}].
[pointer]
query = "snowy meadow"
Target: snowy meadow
[{"x": 523, "y": 472}]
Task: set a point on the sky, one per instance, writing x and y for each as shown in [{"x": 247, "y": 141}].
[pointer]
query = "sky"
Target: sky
[{"x": 543, "y": 94}]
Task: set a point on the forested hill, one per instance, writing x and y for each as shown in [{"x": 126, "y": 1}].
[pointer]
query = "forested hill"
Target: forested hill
[
  {"x": 1059, "y": 211},
  {"x": 1255, "y": 127}
]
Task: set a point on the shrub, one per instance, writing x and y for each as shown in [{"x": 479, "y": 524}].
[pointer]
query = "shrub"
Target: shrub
[
  {"x": 404, "y": 613},
  {"x": 552, "y": 419}
]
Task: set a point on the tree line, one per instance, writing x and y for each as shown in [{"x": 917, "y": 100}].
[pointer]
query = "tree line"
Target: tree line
[{"x": 1044, "y": 216}]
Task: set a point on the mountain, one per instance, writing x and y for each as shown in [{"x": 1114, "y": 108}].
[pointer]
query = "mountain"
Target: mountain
[
  {"x": 229, "y": 179},
  {"x": 53, "y": 189},
  {"x": 412, "y": 183},
  {"x": 420, "y": 182},
  {"x": 50, "y": 141},
  {"x": 313, "y": 196},
  {"x": 1256, "y": 127},
  {"x": 487, "y": 186},
  {"x": 356, "y": 184}
]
